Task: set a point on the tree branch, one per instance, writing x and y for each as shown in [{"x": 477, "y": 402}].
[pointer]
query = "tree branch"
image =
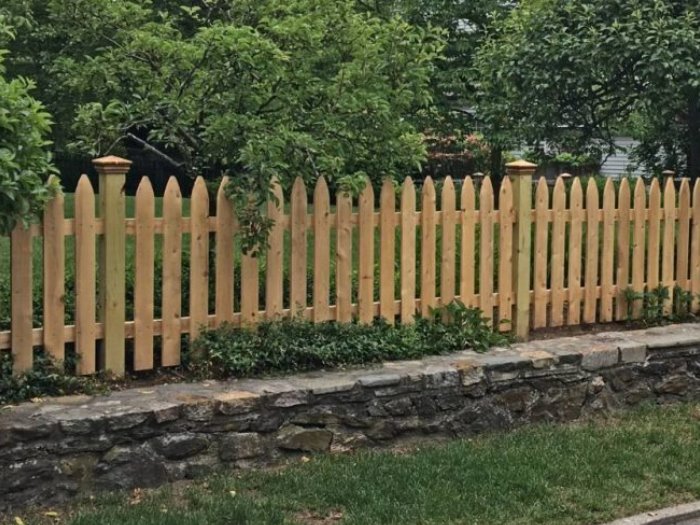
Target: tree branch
[{"x": 152, "y": 149}]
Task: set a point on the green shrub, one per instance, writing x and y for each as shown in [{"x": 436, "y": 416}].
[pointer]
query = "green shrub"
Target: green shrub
[
  {"x": 294, "y": 345},
  {"x": 47, "y": 378},
  {"x": 25, "y": 161}
]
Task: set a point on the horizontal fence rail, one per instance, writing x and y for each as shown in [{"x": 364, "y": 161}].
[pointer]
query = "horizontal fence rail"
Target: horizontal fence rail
[{"x": 574, "y": 252}]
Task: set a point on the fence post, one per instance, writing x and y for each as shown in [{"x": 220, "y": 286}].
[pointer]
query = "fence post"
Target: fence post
[
  {"x": 112, "y": 261},
  {"x": 520, "y": 173}
]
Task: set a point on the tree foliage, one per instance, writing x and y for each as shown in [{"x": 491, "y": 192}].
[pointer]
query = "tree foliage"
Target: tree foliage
[
  {"x": 575, "y": 72},
  {"x": 25, "y": 161},
  {"x": 253, "y": 89},
  {"x": 465, "y": 25}
]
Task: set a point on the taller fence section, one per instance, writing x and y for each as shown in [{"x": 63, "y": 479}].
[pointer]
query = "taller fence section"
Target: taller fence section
[{"x": 129, "y": 287}]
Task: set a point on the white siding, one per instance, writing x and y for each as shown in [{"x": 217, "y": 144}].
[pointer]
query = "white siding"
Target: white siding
[{"x": 619, "y": 164}]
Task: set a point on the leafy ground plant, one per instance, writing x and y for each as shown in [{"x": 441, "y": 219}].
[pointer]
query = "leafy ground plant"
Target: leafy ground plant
[
  {"x": 47, "y": 378},
  {"x": 294, "y": 344},
  {"x": 650, "y": 305}
]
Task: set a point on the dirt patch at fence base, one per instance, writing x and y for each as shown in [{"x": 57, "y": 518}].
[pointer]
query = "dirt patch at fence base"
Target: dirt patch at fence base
[{"x": 140, "y": 437}]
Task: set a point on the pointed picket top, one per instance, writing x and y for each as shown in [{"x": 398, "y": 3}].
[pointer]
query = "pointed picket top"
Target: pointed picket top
[
  {"x": 428, "y": 191},
  {"x": 408, "y": 188},
  {"x": 542, "y": 193},
  {"x": 507, "y": 183},
  {"x": 609, "y": 193},
  {"x": 367, "y": 194},
  {"x": 640, "y": 192},
  {"x": 468, "y": 195},
  {"x": 298, "y": 190},
  {"x": 505, "y": 200},
  {"x": 624, "y": 191},
  {"x": 576, "y": 188},
  {"x": 684, "y": 189},
  {"x": 654, "y": 187},
  {"x": 592, "y": 195},
  {"x": 172, "y": 189},
  {"x": 486, "y": 190},
  {"x": 669, "y": 193},
  {"x": 200, "y": 186},
  {"x": 321, "y": 190},
  {"x": 84, "y": 186},
  {"x": 448, "y": 189},
  {"x": 144, "y": 190}
]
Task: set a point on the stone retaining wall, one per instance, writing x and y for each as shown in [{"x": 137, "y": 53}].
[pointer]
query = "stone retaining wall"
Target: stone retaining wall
[{"x": 145, "y": 437}]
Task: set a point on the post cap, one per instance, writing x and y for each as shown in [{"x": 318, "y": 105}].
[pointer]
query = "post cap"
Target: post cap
[
  {"x": 668, "y": 173},
  {"x": 521, "y": 167},
  {"x": 111, "y": 165}
]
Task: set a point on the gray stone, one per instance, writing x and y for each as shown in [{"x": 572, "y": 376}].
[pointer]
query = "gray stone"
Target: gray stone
[
  {"x": 127, "y": 420},
  {"x": 79, "y": 423},
  {"x": 333, "y": 385},
  {"x": 73, "y": 444},
  {"x": 198, "y": 411},
  {"x": 597, "y": 358},
  {"x": 293, "y": 437},
  {"x": 27, "y": 474},
  {"x": 180, "y": 446},
  {"x": 632, "y": 352},
  {"x": 292, "y": 399},
  {"x": 27, "y": 430},
  {"x": 141, "y": 470},
  {"x": 382, "y": 430},
  {"x": 677, "y": 385},
  {"x": 241, "y": 446},
  {"x": 400, "y": 407},
  {"x": 379, "y": 380},
  {"x": 442, "y": 379},
  {"x": 164, "y": 412},
  {"x": 236, "y": 402}
]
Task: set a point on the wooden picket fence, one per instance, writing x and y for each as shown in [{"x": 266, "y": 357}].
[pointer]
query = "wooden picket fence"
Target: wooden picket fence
[{"x": 525, "y": 265}]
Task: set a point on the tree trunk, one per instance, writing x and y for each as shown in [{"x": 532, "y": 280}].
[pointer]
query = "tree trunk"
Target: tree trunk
[{"x": 694, "y": 137}]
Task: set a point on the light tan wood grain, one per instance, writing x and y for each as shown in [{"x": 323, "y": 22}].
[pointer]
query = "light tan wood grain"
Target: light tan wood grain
[
  {"x": 54, "y": 277},
  {"x": 558, "y": 253},
  {"x": 387, "y": 249},
  {"x": 144, "y": 276},
  {"x": 172, "y": 273},
  {"x": 408, "y": 251},
  {"x": 622, "y": 278},
  {"x": 540, "y": 253},
  {"x": 85, "y": 286},
  {"x": 365, "y": 293},
  {"x": 322, "y": 251},
  {"x": 467, "y": 257}
]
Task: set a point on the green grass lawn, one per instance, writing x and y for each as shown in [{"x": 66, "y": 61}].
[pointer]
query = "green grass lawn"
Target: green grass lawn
[{"x": 578, "y": 474}]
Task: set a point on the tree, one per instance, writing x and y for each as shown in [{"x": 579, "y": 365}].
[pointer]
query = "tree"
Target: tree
[
  {"x": 465, "y": 25},
  {"x": 253, "y": 89},
  {"x": 25, "y": 161},
  {"x": 574, "y": 72}
]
